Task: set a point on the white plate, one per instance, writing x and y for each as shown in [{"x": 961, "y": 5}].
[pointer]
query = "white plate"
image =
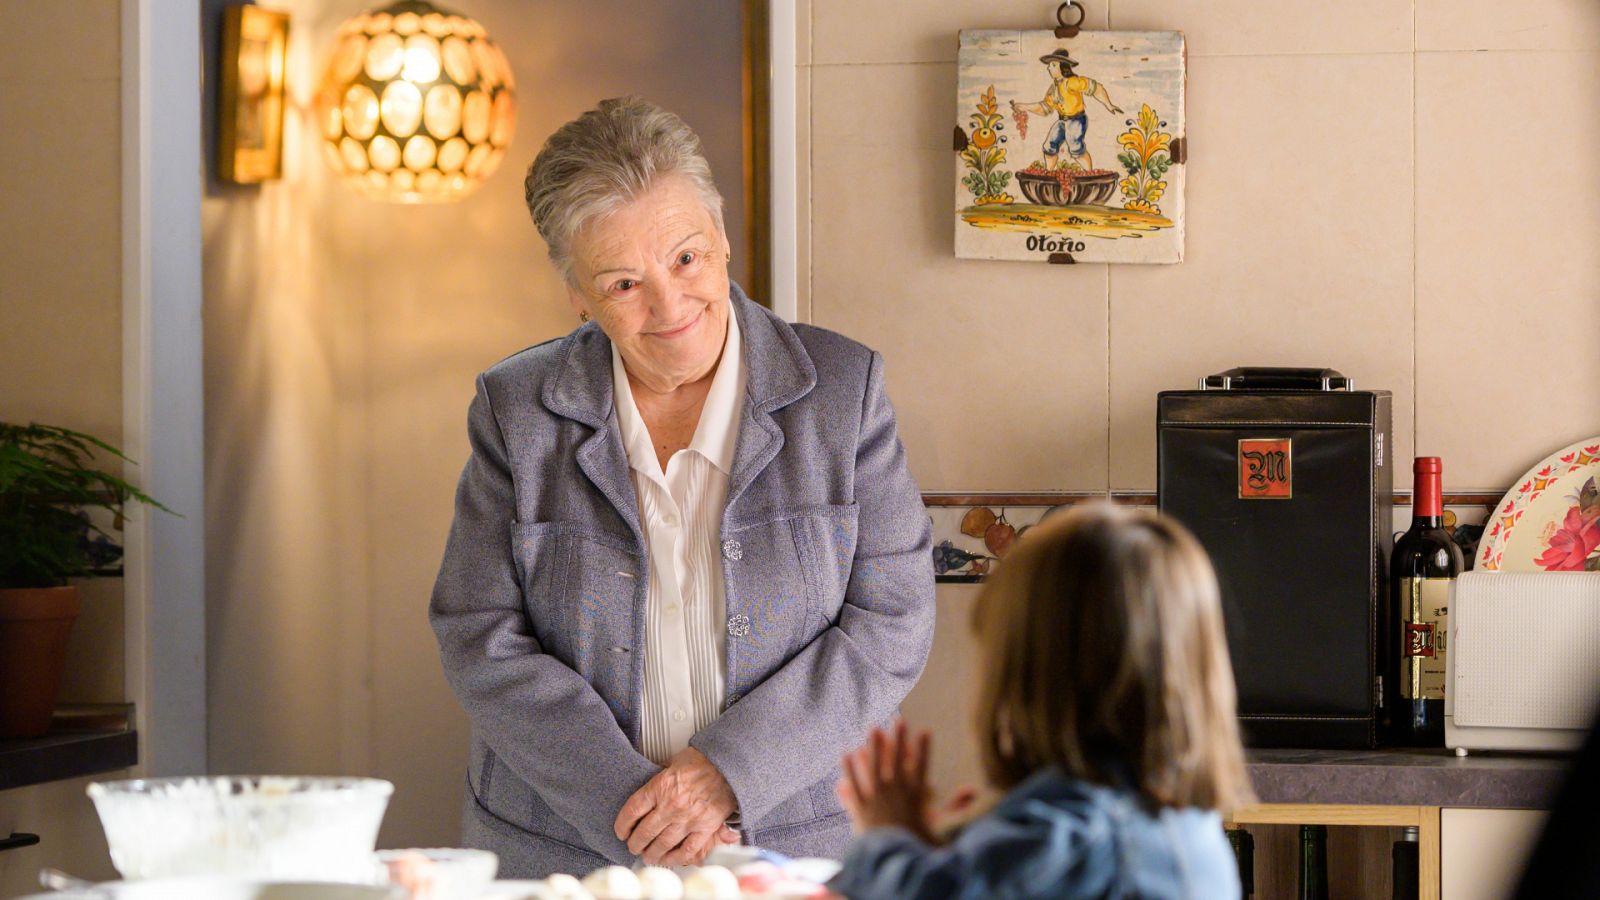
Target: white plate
[
  {"x": 223, "y": 888},
  {"x": 1542, "y": 524}
]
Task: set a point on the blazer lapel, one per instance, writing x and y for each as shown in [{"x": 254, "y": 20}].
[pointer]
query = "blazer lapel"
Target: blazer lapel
[
  {"x": 778, "y": 371},
  {"x": 582, "y": 391}
]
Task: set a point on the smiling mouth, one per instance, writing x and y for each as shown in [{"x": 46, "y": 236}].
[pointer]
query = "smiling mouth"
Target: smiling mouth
[{"x": 681, "y": 330}]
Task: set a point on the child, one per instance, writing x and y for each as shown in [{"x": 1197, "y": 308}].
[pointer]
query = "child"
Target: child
[{"x": 1106, "y": 710}]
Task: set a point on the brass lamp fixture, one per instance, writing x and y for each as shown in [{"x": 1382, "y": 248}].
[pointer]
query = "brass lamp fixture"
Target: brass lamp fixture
[{"x": 417, "y": 104}]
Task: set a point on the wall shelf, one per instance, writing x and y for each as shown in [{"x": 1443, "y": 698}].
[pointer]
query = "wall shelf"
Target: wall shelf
[{"x": 83, "y": 740}]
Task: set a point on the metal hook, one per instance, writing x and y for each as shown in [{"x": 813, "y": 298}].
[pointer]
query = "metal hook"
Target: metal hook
[{"x": 1065, "y": 30}]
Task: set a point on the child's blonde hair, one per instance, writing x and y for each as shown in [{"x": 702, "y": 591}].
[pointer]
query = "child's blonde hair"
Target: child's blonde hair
[{"x": 1104, "y": 656}]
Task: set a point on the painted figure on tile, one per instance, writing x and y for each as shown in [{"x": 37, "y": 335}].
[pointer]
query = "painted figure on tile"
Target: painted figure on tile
[{"x": 1064, "y": 97}]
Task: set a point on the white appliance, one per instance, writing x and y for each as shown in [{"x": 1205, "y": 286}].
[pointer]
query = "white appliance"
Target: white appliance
[{"x": 1523, "y": 661}]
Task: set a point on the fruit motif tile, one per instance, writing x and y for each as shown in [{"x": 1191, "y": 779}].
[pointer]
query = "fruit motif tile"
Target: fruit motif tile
[{"x": 971, "y": 541}]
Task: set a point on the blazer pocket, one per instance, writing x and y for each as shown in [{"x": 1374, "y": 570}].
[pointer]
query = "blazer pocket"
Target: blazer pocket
[
  {"x": 581, "y": 588},
  {"x": 825, "y": 537},
  {"x": 542, "y": 566}
]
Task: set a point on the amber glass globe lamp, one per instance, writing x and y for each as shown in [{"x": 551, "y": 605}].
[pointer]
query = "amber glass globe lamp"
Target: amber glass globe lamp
[{"x": 417, "y": 104}]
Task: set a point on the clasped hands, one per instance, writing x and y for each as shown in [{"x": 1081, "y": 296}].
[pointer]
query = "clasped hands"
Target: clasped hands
[{"x": 681, "y": 814}]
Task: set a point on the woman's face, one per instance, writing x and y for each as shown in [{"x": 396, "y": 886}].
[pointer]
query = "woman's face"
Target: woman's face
[{"x": 654, "y": 275}]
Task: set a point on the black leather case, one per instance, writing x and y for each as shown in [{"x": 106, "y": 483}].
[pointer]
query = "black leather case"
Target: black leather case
[{"x": 1285, "y": 476}]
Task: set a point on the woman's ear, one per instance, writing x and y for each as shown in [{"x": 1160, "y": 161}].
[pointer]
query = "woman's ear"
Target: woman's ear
[{"x": 579, "y": 303}]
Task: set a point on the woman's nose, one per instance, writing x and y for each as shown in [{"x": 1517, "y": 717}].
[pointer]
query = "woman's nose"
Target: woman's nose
[{"x": 669, "y": 304}]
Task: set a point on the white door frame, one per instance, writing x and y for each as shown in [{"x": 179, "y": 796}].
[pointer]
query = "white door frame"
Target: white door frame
[{"x": 163, "y": 382}]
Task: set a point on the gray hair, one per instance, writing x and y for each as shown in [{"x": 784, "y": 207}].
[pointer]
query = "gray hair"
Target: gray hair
[{"x": 604, "y": 159}]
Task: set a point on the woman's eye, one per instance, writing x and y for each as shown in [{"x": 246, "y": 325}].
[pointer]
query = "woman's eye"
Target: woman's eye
[
  {"x": 686, "y": 258},
  {"x": 623, "y": 286}
]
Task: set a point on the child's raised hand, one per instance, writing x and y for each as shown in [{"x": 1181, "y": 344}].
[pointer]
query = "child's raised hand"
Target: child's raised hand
[{"x": 885, "y": 782}]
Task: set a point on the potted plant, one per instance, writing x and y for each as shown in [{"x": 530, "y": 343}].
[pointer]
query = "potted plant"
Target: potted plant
[{"x": 48, "y": 485}]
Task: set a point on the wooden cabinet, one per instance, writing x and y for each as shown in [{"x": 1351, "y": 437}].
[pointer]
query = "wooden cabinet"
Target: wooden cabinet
[{"x": 1464, "y": 853}]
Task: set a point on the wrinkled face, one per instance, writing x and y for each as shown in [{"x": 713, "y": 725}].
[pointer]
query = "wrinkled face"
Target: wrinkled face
[{"x": 654, "y": 275}]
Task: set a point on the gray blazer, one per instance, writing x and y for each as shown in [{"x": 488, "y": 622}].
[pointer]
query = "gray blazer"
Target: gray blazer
[{"x": 539, "y": 605}]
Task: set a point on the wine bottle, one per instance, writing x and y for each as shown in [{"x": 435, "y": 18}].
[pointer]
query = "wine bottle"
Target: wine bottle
[
  {"x": 1244, "y": 853},
  {"x": 1313, "y": 862},
  {"x": 1421, "y": 572},
  {"x": 1406, "y": 866}
]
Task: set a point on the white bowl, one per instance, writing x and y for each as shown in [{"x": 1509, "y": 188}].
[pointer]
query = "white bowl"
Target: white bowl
[
  {"x": 269, "y": 828},
  {"x": 453, "y": 874}
]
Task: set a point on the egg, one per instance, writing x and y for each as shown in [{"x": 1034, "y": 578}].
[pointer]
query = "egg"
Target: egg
[
  {"x": 711, "y": 883},
  {"x": 614, "y": 883},
  {"x": 657, "y": 883},
  {"x": 568, "y": 888}
]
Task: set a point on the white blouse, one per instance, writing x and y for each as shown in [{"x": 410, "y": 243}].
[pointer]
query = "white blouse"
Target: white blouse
[{"x": 680, "y": 511}]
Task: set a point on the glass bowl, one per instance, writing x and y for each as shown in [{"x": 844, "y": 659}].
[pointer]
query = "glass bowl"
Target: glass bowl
[{"x": 267, "y": 826}]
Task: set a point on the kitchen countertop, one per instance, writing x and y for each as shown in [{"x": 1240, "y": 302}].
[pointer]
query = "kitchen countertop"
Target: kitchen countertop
[{"x": 1405, "y": 777}]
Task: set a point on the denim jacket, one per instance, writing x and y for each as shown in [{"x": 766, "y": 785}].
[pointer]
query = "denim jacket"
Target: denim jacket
[{"x": 1054, "y": 837}]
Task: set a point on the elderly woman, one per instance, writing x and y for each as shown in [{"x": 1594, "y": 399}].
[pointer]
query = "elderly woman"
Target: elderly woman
[{"x": 688, "y": 569}]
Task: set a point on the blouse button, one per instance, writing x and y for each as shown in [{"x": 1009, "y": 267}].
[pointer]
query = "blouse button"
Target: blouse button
[
  {"x": 733, "y": 550},
  {"x": 739, "y": 625}
]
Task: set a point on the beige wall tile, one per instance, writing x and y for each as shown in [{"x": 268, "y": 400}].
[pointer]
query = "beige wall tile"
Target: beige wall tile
[
  {"x": 997, "y": 369},
  {"x": 912, "y": 106},
  {"x": 804, "y": 16},
  {"x": 77, "y": 40},
  {"x": 1249, "y": 27},
  {"x": 1299, "y": 242},
  {"x": 1491, "y": 25},
  {"x": 942, "y": 701},
  {"x": 1508, "y": 249},
  {"x": 885, "y": 31}
]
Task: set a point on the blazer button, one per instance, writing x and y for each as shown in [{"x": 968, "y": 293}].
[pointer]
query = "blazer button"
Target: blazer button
[
  {"x": 733, "y": 550},
  {"x": 738, "y": 626}
]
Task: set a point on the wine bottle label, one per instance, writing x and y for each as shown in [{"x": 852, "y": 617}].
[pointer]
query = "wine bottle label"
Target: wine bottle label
[{"x": 1424, "y": 623}]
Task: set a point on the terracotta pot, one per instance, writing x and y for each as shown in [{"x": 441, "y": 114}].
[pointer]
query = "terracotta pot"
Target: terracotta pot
[{"x": 34, "y": 624}]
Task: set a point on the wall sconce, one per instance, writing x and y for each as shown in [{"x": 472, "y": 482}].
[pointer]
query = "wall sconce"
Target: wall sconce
[
  {"x": 417, "y": 104},
  {"x": 250, "y": 97}
]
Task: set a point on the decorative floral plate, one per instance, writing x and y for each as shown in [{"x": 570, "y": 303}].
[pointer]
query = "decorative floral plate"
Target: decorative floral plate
[{"x": 1549, "y": 522}]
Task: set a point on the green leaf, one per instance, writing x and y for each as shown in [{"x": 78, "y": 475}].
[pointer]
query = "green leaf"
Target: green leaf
[{"x": 48, "y": 481}]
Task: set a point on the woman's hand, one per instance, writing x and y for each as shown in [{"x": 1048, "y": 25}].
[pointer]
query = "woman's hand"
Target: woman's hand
[
  {"x": 679, "y": 815},
  {"x": 885, "y": 783}
]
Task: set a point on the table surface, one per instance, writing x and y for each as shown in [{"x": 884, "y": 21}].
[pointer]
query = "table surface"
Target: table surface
[{"x": 1406, "y": 777}]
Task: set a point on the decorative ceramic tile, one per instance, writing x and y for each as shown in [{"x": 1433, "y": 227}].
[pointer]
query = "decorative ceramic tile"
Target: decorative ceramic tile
[
  {"x": 971, "y": 539},
  {"x": 1112, "y": 95}
]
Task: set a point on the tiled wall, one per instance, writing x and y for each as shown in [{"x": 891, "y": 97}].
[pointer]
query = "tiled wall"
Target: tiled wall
[
  {"x": 1398, "y": 190},
  {"x": 1401, "y": 191}
]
